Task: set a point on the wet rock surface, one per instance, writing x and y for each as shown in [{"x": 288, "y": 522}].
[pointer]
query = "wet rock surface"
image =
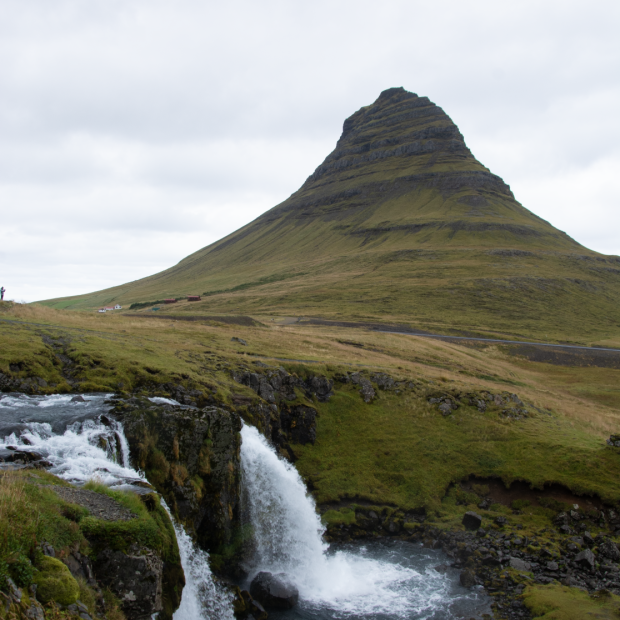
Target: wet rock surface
[
  {"x": 135, "y": 577},
  {"x": 503, "y": 559},
  {"x": 191, "y": 456},
  {"x": 274, "y": 591}
]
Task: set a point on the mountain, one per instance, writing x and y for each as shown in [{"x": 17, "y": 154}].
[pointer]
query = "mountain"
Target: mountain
[{"x": 399, "y": 223}]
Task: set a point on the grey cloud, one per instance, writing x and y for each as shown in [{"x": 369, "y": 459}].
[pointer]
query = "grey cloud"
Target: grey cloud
[{"x": 141, "y": 117}]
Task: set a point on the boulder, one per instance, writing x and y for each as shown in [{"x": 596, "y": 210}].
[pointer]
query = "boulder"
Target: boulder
[
  {"x": 467, "y": 579},
  {"x": 585, "y": 559},
  {"x": 501, "y": 521},
  {"x": 78, "y": 399},
  {"x": 471, "y": 520},
  {"x": 135, "y": 578},
  {"x": 609, "y": 550},
  {"x": 518, "y": 564},
  {"x": 614, "y": 441},
  {"x": 274, "y": 591}
]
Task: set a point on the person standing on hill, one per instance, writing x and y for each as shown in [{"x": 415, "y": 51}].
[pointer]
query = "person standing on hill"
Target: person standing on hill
[{"x": 2, "y": 292}]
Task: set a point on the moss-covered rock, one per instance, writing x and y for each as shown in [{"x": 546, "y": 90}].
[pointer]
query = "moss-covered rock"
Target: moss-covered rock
[
  {"x": 55, "y": 582},
  {"x": 192, "y": 458}
]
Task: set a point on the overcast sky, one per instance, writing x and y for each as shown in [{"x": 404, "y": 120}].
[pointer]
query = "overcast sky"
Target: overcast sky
[{"x": 136, "y": 132}]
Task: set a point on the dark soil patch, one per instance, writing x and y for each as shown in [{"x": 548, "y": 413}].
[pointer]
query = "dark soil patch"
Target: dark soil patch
[
  {"x": 563, "y": 357},
  {"x": 519, "y": 490},
  {"x": 246, "y": 321}
]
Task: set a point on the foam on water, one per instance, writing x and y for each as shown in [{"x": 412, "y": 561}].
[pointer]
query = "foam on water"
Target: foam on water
[{"x": 348, "y": 583}]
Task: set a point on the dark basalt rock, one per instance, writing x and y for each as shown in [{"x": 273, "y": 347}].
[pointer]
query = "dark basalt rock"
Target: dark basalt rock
[
  {"x": 614, "y": 441},
  {"x": 192, "y": 458},
  {"x": 471, "y": 520},
  {"x": 135, "y": 578},
  {"x": 585, "y": 559},
  {"x": 274, "y": 591},
  {"x": 608, "y": 549},
  {"x": 467, "y": 579}
]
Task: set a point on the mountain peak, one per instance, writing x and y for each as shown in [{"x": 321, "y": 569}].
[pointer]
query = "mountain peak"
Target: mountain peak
[{"x": 400, "y": 215}]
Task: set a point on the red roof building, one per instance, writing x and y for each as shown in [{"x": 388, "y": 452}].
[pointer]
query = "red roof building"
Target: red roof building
[{"x": 193, "y": 298}]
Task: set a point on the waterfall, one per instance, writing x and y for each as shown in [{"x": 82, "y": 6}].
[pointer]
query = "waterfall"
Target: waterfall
[
  {"x": 202, "y": 599},
  {"x": 97, "y": 448},
  {"x": 360, "y": 581}
]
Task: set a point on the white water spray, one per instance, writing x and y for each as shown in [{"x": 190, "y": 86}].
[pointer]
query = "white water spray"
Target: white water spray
[
  {"x": 202, "y": 598},
  {"x": 288, "y": 539}
]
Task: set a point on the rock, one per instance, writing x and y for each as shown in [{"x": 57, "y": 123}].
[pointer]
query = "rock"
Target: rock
[
  {"x": 134, "y": 577},
  {"x": 614, "y": 441},
  {"x": 519, "y": 564},
  {"x": 491, "y": 560},
  {"x": 207, "y": 444},
  {"x": 367, "y": 391},
  {"x": 471, "y": 520},
  {"x": 485, "y": 504},
  {"x": 571, "y": 582},
  {"x": 585, "y": 559},
  {"x": 481, "y": 533},
  {"x": 587, "y": 538},
  {"x": 445, "y": 409},
  {"x": 501, "y": 521},
  {"x": 78, "y": 399},
  {"x": 552, "y": 566},
  {"x": 609, "y": 550},
  {"x": 319, "y": 386},
  {"x": 467, "y": 579},
  {"x": 239, "y": 340},
  {"x": 299, "y": 423},
  {"x": 383, "y": 381},
  {"x": 274, "y": 591}
]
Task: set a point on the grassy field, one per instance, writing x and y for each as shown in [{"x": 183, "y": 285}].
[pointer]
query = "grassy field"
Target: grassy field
[{"x": 397, "y": 449}]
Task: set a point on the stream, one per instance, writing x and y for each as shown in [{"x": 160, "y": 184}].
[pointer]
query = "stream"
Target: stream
[{"x": 376, "y": 580}]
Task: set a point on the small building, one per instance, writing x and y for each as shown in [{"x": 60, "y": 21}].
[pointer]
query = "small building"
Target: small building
[
  {"x": 101, "y": 310},
  {"x": 170, "y": 301},
  {"x": 109, "y": 308},
  {"x": 118, "y": 307},
  {"x": 193, "y": 298}
]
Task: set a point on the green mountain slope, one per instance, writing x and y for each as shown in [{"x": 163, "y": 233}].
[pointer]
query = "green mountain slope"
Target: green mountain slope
[{"x": 399, "y": 223}]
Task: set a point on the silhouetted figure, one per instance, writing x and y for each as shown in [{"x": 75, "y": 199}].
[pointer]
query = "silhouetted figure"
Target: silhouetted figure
[{"x": 2, "y": 292}]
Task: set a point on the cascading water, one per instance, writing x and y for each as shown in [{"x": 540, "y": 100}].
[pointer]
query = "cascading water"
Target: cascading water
[
  {"x": 81, "y": 443},
  {"x": 202, "y": 599},
  {"x": 370, "y": 581}
]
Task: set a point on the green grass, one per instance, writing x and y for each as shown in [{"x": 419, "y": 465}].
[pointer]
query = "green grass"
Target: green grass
[
  {"x": 556, "y": 602},
  {"x": 402, "y": 451},
  {"x": 64, "y": 525}
]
